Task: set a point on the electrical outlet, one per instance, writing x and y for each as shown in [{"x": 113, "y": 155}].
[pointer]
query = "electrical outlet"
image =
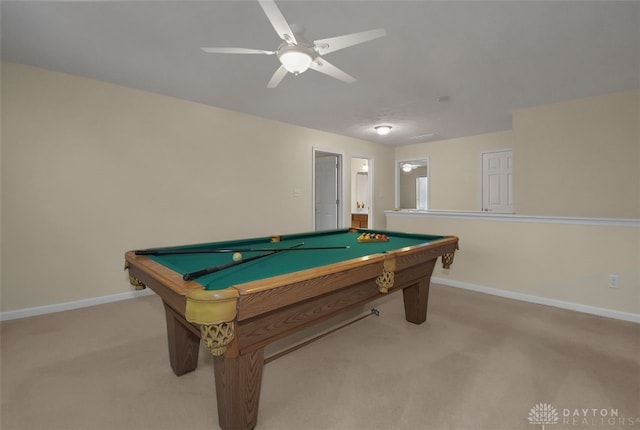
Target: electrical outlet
[{"x": 613, "y": 280}]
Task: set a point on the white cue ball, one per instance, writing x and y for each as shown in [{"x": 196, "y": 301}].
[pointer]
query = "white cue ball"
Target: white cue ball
[{"x": 237, "y": 256}]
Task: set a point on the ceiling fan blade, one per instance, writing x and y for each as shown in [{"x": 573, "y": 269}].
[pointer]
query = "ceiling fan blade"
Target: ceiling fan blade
[
  {"x": 321, "y": 65},
  {"x": 277, "y": 77},
  {"x": 277, "y": 20},
  {"x": 236, "y": 51},
  {"x": 331, "y": 44}
]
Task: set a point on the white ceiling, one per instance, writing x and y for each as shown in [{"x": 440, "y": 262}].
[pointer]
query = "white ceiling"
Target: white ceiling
[{"x": 488, "y": 58}]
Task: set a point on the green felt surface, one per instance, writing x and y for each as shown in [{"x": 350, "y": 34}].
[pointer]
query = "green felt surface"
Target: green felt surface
[{"x": 281, "y": 262}]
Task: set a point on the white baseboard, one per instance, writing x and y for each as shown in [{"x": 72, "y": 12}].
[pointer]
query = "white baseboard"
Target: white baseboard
[
  {"x": 67, "y": 306},
  {"x": 609, "y": 313},
  {"x": 625, "y": 316}
]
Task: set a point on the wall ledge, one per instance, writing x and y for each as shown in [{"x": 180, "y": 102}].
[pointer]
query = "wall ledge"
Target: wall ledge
[
  {"x": 67, "y": 306},
  {"x": 488, "y": 216},
  {"x": 576, "y": 307}
]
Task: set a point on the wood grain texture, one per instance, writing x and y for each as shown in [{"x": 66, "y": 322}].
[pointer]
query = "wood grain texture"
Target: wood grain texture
[
  {"x": 269, "y": 309},
  {"x": 416, "y": 297},
  {"x": 184, "y": 342},
  {"x": 265, "y": 296},
  {"x": 144, "y": 269},
  {"x": 155, "y": 281},
  {"x": 238, "y": 382},
  {"x": 422, "y": 253},
  {"x": 260, "y": 331},
  {"x": 261, "y": 301}
]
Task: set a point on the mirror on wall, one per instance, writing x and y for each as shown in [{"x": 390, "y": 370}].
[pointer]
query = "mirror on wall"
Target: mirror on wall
[
  {"x": 412, "y": 184},
  {"x": 361, "y": 191}
]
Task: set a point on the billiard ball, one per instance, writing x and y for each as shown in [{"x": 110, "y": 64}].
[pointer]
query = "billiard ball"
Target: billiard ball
[{"x": 237, "y": 256}]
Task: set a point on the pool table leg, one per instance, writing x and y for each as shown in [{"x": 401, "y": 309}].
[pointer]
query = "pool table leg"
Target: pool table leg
[
  {"x": 416, "y": 298},
  {"x": 238, "y": 381},
  {"x": 184, "y": 342}
]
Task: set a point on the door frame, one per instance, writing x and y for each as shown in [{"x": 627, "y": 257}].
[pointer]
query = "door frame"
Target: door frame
[{"x": 341, "y": 173}]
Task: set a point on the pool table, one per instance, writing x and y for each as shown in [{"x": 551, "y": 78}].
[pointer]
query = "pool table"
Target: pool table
[{"x": 297, "y": 280}]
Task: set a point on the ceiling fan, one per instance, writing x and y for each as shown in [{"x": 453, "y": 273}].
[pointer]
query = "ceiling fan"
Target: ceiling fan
[
  {"x": 296, "y": 54},
  {"x": 408, "y": 167}
]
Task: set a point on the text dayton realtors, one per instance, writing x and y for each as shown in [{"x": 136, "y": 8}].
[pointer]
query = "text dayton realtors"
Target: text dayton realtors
[{"x": 596, "y": 416}]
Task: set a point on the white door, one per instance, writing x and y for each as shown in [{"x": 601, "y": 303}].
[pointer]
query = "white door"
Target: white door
[
  {"x": 497, "y": 181},
  {"x": 327, "y": 202}
]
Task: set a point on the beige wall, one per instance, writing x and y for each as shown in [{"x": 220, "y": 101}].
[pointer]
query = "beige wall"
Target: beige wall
[
  {"x": 569, "y": 263},
  {"x": 579, "y": 158},
  {"x": 574, "y": 159},
  {"x": 91, "y": 169},
  {"x": 455, "y": 167}
]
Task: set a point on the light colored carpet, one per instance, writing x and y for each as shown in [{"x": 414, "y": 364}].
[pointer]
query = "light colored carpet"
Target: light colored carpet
[{"x": 479, "y": 362}]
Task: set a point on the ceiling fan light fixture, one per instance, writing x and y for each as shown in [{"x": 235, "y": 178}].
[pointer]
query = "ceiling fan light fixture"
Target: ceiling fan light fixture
[
  {"x": 294, "y": 60},
  {"x": 382, "y": 130}
]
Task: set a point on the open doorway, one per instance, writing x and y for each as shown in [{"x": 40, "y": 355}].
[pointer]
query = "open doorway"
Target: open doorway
[{"x": 327, "y": 185}]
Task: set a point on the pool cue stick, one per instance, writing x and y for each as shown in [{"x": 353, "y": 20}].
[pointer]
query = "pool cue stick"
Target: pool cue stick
[
  {"x": 225, "y": 250},
  {"x": 295, "y": 347},
  {"x": 198, "y": 273}
]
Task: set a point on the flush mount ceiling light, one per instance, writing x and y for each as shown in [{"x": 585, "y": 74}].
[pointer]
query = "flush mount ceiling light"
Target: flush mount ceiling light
[{"x": 382, "y": 130}]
